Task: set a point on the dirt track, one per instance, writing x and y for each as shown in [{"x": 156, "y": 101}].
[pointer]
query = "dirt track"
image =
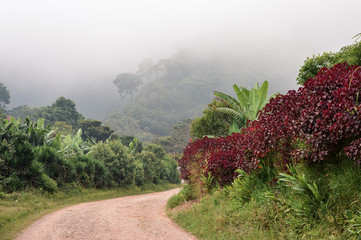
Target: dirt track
[{"x": 134, "y": 217}]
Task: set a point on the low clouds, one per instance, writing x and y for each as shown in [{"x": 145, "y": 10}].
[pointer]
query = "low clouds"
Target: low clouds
[{"x": 76, "y": 48}]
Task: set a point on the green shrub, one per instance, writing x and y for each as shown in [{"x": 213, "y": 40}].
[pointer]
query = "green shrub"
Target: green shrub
[
  {"x": 151, "y": 165},
  {"x": 36, "y": 170},
  {"x": 310, "y": 199},
  {"x": 117, "y": 160},
  {"x": 14, "y": 183},
  {"x": 156, "y": 149},
  {"x": 56, "y": 166},
  {"x": 48, "y": 184},
  {"x": 139, "y": 173},
  {"x": 241, "y": 188}
]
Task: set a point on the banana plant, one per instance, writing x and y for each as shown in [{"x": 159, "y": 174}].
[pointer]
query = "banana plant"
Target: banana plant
[
  {"x": 74, "y": 145},
  {"x": 133, "y": 146},
  {"x": 248, "y": 103}
]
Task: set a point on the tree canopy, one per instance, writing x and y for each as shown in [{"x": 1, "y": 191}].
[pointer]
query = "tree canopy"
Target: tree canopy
[
  {"x": 4, "y": 95},
  {"x": 350, "y": 54},
  {"x": 212, "y": 122},
  {"x": 127, "y": 84},
  {"x": 94, "y": 129},
  {"x": 63, "y": 110}
]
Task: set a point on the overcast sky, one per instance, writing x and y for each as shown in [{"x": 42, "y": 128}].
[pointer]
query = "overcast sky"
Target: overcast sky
[{"x": 75, "y": 48}]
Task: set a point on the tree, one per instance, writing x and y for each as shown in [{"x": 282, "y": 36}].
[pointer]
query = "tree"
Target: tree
[
  {"x": 248, "y": 103},
  {"x": 350, "y": 54},
  {"x": 213, "y": 122},
  {"x": 127, "y": 84},
  {"x": 2, "y": 114},
  {"x": 24, "y": 112},
  {"x": 94, "y": 129},
  {"x": 63, "y": 110},
  {"x": 180, "y": 135},
  {"x": 127, "y": 140},
  {"x": 4, "y": 95}
]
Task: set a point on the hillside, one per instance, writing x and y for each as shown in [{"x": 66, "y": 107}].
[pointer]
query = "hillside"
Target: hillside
[{"x": 173, "y": 89}]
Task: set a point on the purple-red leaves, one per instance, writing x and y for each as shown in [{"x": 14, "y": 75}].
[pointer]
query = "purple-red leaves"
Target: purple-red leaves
[{"x": 313, "y": 123}]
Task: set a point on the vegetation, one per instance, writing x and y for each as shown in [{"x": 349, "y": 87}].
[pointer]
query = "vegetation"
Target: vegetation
[
  {"x": 287, "y": 174},
  {"x": 127, "y": 83},
  {"x": 33, "y": 155},
  {"x": 94, "y": 129},
  {"x": 62, "y": 159},
  {"x": 212, "y": 122},
  {"x": 174, "y": 89},
  {"x": 24, "y": 112},
  {"x": 349, "y": 54},
  {"x": 4, "y": 95},
  {"x": 63, "y": 110},
  {"x": 247, "y": 106}
]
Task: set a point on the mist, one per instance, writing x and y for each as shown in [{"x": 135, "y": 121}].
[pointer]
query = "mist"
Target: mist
[{"x": 76, "y": 48}]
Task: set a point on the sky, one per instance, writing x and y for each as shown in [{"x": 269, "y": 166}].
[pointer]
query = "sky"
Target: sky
[{"x": 76, "y": 48}]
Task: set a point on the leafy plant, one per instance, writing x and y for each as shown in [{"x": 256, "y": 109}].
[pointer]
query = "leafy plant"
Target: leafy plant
[
  {"x": 208, "y": 183},
  {"x": 354, "y": 225},
  {"x": 241, "y": 188},
  {"x": 311, "y": 199},
  {"x": 248, "y": 103},
  {"x": 350, "y": 54}
]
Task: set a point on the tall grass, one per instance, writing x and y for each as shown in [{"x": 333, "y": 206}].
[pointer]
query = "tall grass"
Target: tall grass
[{"x": 318, "y": 201}]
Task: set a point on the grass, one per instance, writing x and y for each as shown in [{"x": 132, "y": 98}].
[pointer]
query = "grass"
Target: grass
[
  {"x": 19, "y": 210},
  {"x": 287, "y": 210},
  {"x": 186, "y": 194}
]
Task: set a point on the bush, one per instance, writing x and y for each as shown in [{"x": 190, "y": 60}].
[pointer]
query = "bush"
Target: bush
[
  {"x": 55, "y": 166},
  {"x": 117, "y": 160},
  {"x": 13, "y": 183},
  {"x": 48, "y": 184},
  {"x": 139, "y": 173},
  {"x": 313, "y": 124}
]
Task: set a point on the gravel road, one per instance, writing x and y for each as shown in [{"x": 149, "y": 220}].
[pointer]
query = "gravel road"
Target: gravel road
[{"x": 134, "y": 217}]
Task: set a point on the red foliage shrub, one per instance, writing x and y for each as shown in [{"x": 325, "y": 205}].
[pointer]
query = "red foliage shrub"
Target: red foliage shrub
[
  {"x": 197, "y": 151},
  {"x": 312, "y": 124}
]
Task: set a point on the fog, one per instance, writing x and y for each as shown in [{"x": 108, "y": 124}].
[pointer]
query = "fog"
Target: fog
[{"x": 76, "y": 48}]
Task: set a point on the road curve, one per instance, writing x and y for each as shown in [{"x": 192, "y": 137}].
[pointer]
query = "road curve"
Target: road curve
[{"x": 133, "y": 217}]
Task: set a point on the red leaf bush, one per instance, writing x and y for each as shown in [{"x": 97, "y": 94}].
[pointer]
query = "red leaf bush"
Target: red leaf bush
[{"x": 314, "y": 123}]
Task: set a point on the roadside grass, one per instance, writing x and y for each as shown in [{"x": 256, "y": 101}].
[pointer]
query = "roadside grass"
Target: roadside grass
[
  {"x": 250, "y": 209},
  {"x": 19, "y": 210},
  {"x": 187, "y": 193}
]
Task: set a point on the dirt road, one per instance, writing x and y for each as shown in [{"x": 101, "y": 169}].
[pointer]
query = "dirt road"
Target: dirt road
[{"x": 134, "y": 217}]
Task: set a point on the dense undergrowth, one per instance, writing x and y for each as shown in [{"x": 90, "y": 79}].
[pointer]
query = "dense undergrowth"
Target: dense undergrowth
[
  {"x": 33, "y": 155},
  {"x": 318, "y": 202},
  {"x": 293, "y": 173}
]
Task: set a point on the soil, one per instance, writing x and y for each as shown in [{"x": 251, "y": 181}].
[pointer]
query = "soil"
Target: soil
[{"x": 134, "y": 217}]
